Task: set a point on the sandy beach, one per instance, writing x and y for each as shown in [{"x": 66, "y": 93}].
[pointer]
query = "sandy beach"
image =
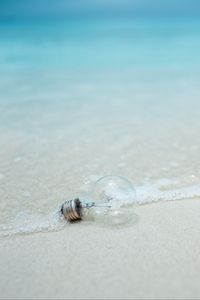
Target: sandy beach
[
  {"x": 85, "y": 95},
  {"x": 156, "y": 258}
]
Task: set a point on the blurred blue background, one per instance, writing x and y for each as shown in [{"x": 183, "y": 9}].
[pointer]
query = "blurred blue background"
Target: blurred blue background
[
  {"x": 86, "y": 34},
  {"x": 12, "y": 9}
]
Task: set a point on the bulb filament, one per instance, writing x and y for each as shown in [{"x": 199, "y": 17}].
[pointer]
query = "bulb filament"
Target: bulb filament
[{"x": 93, "y": 204}]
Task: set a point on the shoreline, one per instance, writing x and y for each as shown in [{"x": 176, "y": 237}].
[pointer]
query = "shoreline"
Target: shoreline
[{"x": 157, "y": 257}]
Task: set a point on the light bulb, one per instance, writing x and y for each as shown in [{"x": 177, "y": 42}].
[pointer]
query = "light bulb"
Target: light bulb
[{"x": 110, "y": 200}]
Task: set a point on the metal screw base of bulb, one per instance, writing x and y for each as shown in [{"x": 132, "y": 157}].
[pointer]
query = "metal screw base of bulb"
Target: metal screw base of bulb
[{"x": 72, "y": 210}]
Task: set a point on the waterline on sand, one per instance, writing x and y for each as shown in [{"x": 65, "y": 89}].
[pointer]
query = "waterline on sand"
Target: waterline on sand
[{"x": 26, "y": 222}]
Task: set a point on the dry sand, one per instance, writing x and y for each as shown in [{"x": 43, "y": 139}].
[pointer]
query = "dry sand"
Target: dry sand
[{"x": 158, "y": 257}]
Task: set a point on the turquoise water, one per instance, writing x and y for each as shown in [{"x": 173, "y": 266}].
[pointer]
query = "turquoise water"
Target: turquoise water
[
  {"x": 90, "y": 44},
  {"x": 84, "y": 98}
]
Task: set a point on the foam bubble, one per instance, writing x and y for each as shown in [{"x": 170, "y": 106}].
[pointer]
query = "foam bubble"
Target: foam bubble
[
  {"x": 161, "y": 190},
  {"x": 26, "y": 223},
  {"x": 156, "y": 192}
]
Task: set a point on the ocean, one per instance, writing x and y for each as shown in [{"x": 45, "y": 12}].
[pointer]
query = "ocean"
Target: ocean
[{"x": 82, "y": 98}]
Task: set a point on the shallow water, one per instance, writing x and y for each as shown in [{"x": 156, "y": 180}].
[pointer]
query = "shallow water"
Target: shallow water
[{"x": 81, "y": 99}]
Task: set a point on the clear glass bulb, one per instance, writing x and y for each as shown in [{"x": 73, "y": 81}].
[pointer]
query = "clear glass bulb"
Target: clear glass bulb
[{"x": 110, "y": 200}]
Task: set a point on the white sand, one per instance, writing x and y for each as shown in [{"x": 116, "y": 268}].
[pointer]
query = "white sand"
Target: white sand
[
  {"x": 81, "y": 103},
  {"x": 158, "y": 257}
]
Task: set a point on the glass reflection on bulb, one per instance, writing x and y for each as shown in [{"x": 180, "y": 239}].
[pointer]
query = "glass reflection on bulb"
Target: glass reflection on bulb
[{"x": 110, "y": 200}]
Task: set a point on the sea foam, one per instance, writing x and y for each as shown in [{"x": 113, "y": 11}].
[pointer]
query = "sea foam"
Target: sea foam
[{"x": 159, "y": 191}]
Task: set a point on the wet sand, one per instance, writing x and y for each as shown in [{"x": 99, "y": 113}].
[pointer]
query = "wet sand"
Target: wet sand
[{"x": 158, "y": 258}]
